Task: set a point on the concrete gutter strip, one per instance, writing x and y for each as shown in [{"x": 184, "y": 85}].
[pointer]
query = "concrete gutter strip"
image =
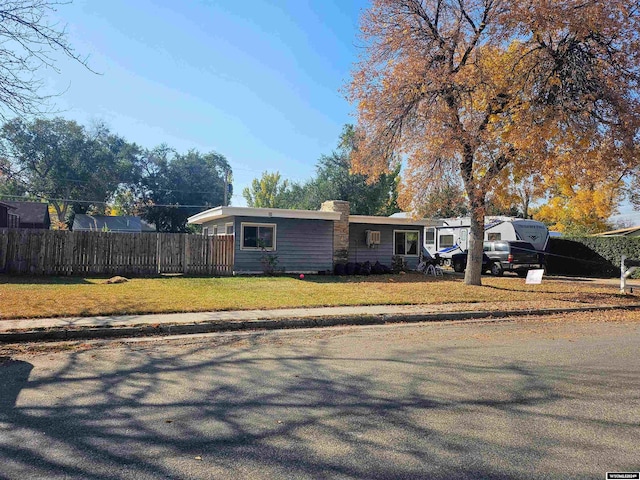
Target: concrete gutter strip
[{"x": 147, "y": 325}]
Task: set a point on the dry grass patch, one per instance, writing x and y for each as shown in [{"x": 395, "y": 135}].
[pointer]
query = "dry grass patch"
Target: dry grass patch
[{"x": 49, "y": 297}]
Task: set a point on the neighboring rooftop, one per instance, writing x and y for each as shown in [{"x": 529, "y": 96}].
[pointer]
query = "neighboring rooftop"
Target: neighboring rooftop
[
  {"x": 31, "y": 212},
  {"x": 110, "y": 223},
  {"x": 622, "y": 232}
]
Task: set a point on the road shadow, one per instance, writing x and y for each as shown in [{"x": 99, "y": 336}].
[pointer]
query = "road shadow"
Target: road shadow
[
  {"x": 14, "y": 375},
  {"x": 237, "y": 408}
]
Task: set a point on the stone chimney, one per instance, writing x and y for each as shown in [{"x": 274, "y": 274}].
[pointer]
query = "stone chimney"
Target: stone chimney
[{"x": 340, "y": 229}]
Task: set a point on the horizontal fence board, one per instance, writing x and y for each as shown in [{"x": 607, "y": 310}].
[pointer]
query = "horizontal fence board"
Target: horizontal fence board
[{"x": 55, "y": 252}]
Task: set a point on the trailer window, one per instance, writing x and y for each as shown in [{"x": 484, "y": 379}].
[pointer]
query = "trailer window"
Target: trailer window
[
  {"x": 430, "y": 236},
  {"x": 446, "y": 241},
  {"x": 494, "y": 237}
]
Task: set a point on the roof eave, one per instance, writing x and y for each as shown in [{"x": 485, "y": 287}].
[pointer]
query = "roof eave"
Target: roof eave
[
  {"x": 219, "y": 213},
  {"x": 374, "y": 220}
]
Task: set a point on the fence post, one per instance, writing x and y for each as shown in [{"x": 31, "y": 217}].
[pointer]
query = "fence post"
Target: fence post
[
  {"x": 185, "y": 254},
  {"x": 4, "y": 244},
  {"x": 158, "y": 252}
]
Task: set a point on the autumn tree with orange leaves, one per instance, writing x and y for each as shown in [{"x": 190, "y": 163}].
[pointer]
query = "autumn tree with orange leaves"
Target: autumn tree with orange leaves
[{"x": 474, "y": 87}]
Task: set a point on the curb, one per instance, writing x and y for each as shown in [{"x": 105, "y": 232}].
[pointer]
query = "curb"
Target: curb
[{"x": 92, "y": 333}]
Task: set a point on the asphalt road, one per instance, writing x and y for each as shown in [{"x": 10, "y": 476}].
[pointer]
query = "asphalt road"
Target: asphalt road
[{"x": 534, "y": 399}]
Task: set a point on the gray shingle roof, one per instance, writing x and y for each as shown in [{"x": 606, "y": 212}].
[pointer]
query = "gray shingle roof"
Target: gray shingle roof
[{"x": 31, "y": 212}]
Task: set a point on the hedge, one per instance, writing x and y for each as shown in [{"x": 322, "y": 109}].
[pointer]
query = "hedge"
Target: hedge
[{"x": 591, "y": 256}]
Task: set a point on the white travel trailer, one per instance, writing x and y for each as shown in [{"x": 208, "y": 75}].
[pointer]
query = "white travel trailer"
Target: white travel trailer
[{"x": 453, "y": 235}]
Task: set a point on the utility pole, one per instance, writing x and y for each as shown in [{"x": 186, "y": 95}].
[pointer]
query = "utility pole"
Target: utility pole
[{"x": 226, "y": 187}]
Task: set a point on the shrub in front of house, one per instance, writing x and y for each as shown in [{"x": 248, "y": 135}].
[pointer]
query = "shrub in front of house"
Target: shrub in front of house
[{"x": 355, "y": 268}]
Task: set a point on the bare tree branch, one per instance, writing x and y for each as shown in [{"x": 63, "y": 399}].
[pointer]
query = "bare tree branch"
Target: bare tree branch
[{"x": 30, "y": 42}]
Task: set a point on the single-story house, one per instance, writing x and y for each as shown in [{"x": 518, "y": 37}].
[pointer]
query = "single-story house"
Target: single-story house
[
  {"x": 32, "y": 214},
  {"x": 110, "y": 223},
  {"x": 309, "y": 241},
  {"x": 622, "y": 232}
]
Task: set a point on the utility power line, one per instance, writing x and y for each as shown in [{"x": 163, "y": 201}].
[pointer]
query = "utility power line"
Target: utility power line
[{"x": 71, "y": 200}]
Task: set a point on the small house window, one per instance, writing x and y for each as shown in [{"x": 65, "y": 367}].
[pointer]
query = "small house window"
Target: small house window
[
  {"x": 494, "y": 237},
  {"x": 446, "y": 241},
  {"x": 258, "y": 235},
  {"x": 405, "y": 242},
  {"x": 205, "y": 231},
  {"x": 229, "y": 228},
  {"x": 430, "y": 236},
  {"x": 215, "y": 230}
]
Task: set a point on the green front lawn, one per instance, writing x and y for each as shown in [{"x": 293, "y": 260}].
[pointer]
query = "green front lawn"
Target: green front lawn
[{"x": 23, "y": 297}]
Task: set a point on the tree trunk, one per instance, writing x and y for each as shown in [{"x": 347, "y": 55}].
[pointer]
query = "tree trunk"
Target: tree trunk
[
  {"x": 473, "y": 273},
  {"x": 476, "y": 195},
  {"x": 60, "y": 213}
]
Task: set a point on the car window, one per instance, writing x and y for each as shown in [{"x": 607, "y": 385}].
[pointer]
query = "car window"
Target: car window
[
  {"x": 522, "y": 247},
  {"x": 486, "y": 247},
  {"x": 501, "y": 247}
]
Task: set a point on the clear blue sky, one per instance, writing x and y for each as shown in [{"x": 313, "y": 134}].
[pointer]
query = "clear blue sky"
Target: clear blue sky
[{"x": 257, "y": 81}]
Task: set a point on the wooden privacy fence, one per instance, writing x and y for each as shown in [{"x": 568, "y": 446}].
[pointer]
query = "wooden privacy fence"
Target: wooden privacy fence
[{"x": 54, "y": 252}]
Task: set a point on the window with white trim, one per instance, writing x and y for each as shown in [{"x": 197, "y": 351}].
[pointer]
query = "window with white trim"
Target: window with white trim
[
  {"x": 205, "y": 231},
  {"x": 256, "y": 236},
  {"x": 214, "y": 230},
  {"x": 229, "y": 228},
  {"x": 405, "y": 242}
]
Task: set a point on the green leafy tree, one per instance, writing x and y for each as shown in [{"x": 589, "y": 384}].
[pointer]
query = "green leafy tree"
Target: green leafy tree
[
  {"x": 66, "y": 164},
  {"x": 269, "y": 191},
  {"x": 10, "y": 187},
  {"x": 335, "y": 180},
  {"x": 173, "y": 186}
]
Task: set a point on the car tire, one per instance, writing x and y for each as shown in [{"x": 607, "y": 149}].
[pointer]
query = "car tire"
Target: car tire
[
  {"x": 458, "y": 266},
  {"x": 522, "y": 273},
  {"x": 496, "y": 269}
]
